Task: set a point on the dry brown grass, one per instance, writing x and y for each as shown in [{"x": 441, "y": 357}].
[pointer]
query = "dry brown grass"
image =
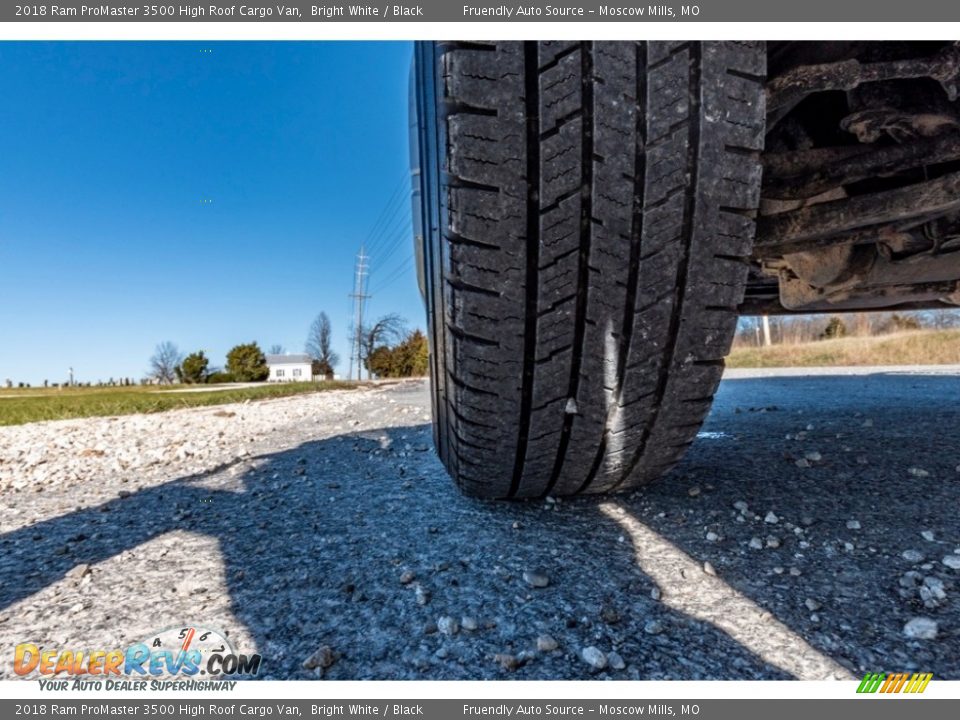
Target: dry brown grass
[{"x": 919, "y": 347}]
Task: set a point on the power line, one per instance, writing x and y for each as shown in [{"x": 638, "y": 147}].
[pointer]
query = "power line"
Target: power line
[
  {"x": 397, "y": 216},
  {"x": 389, "y": 203},
  {"x": 398, "y": 271},
  {"x": 400, "y": 238},
  {"x": 388, "y": 231},
  {"x": 387, "y": 214}
]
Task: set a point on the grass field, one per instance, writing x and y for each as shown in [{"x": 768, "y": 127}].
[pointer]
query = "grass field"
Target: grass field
[
  {"x": 919, "y": 347},
  {"x": 35, "y": 404}
]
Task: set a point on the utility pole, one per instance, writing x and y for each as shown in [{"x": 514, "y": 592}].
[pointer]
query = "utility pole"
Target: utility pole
[
  {"x": 767, "y": 342},
  {"x": 358, "y": 295}
]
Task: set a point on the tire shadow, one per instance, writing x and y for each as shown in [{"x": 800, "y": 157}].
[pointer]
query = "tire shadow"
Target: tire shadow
[{"x": 314, "y": 546}]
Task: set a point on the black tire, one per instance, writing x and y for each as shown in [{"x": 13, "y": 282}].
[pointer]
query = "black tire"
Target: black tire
[{"x": 587, "y": 209}]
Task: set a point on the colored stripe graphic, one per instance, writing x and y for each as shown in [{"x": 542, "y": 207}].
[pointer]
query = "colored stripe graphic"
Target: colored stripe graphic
[
  {"x": 918, "y": 683},
  {"x": 889, "y": 683},
  {"x": 894, "y": 683},
  {"x": 900, "y": 682},
  {"x": 871, "y": 682}
]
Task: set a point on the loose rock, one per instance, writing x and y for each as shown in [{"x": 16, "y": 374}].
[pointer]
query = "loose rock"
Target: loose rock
[
  {"x": 933, "y": 592},
  {"x": 921, "y": 628},
  {"x": 594, "y": 658},
  {"x": 914, "y": 556},
  {"x": 536, "y": 578},
  {"x": 323, "y": 658},
  {"x": 546, "y": 643},
  {"x": 952, "y": 561},
  {"x": 653, "y": 627},
  {"x": 447, "y": 625}
]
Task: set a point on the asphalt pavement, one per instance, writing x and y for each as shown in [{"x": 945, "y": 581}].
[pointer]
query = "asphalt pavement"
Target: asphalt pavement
[{"x": 812, "y": 531}]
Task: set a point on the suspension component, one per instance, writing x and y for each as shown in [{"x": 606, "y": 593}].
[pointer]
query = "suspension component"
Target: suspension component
[
  {"x": 921, "y": 278},
  {"x": 787, "y": 90},
  {"x": 801, "y": 175},
  {"x": 860, "y": 200},
  {"x": 856, "y": 216}
]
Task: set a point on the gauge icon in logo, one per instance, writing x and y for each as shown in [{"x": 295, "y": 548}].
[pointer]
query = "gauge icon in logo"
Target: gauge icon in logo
[{"x": 188, "y": 647}]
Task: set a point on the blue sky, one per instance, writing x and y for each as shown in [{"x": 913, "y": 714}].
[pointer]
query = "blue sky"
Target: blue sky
[{"x": 204, "y": 193}]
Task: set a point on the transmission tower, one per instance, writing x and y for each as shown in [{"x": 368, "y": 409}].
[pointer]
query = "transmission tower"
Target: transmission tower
[{"x": 358, "y": 295}]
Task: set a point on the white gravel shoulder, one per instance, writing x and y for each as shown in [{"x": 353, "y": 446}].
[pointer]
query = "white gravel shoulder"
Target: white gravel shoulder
[{"x": 130, "y": 452}]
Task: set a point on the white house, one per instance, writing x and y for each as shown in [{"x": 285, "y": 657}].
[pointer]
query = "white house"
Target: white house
[{"x": 289, "y": 368}]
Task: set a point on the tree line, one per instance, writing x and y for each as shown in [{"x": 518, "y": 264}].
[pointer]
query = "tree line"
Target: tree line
[
  {"x": 796, "y": 329},
  {"x": 387, "y": 349}
]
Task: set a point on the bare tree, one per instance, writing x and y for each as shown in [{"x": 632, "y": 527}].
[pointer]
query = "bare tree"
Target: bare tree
[
  {"x": 942, "y": 319},
  {"x": 164, "y": 363},
  {"x": 386, "y": 330},
  {"x": 276, "y": 349},
  {"x": 319, "y": 345}
]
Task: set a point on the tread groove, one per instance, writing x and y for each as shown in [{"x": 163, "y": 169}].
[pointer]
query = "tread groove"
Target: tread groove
[{"x": 532, "y": 241}]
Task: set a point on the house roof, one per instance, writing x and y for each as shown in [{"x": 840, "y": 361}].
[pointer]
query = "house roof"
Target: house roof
[{"x": 288, "y": 359}]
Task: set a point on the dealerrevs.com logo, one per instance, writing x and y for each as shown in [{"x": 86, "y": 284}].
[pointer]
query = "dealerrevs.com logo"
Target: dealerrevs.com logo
[{"x": 188, "y": 651}]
